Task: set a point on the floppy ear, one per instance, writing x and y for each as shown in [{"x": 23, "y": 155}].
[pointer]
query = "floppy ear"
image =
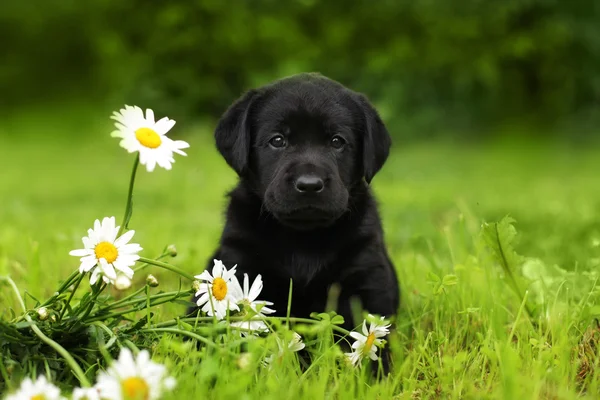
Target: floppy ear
[
  {"x": 232, "y": 133},
  {"x": 376, "y": 140}
]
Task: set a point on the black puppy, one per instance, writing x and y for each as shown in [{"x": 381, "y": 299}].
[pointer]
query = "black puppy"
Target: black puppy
[{"x": 305, "y": 149}]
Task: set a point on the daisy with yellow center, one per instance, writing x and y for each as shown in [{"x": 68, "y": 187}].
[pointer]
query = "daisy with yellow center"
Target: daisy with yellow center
[
  {"x": 134, "y": 378},
  {"x": 257, "y": 308},
  {"x": 106, "y": 255},
  {"x": 40, "y": 389},
  {"x": 219, "y": 292},
  {"x": 142, "y": 134},
  {"x": 366, "y": 344}
]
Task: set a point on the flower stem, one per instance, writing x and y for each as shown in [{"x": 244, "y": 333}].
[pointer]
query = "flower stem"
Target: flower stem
[
  {"x": 62, "y": 313},
  {"x": 103, "y": 317},
  {"x": 59, "y": 349},
  {"x": 165, "y": 265},
  {"x": 123, "y": 301},
  {"x": 187, "y": 333},
  {"x": 62, "y": 288},
  {"x": 129, "y": 204}
]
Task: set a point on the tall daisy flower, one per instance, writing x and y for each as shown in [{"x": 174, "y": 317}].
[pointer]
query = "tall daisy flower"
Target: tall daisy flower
[
  {"x": 255, "y": 324},
  {"x": 134, "y": 378},
  {"x": 40, "y": 389},
  {"x": 142, "y": 134},
  {"x": 366, "y": 343},
  {"x": 219, "y": 292},
  {"x": 104, "y": 254}
]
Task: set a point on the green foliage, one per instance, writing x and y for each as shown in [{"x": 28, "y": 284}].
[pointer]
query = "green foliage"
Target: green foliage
[{"x": 425, "y": 63}]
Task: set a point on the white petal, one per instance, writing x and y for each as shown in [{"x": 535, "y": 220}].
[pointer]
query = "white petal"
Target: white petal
[
  {"x": 150, "y": 164},
  {"x": 164, "y": 125},
  {"x": 246, "y": 286},
  {"x": 149, "y": 115},
  {"x": 124, "y": 238},
  {"x": 218, "y": 268},
  {"x": 130, "y": 249},
  {"x": 81, "y": 252},
  {"x": 87, "y": 263},
  {"x": 202, "y": 300},
  {"x": 256, "y": 288},
  {"x": 205, "y": 276},
  {"x": 364, "y": 329}
]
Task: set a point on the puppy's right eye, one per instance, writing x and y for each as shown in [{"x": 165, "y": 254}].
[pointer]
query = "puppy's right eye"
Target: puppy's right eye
[{"x": 278, "y": 141}]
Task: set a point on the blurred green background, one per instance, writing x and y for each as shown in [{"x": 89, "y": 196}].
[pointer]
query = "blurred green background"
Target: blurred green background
[{"x": 469, "y": 68}]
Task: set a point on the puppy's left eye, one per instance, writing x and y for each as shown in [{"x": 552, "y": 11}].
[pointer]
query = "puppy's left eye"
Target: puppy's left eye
[{"x": 337, "y": 142}]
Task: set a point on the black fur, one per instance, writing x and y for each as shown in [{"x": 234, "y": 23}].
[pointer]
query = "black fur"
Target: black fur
[{"x": 316, "y": 239}]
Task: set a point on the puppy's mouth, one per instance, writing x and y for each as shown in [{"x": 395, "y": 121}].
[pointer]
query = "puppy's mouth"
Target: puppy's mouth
[{"x": 307, "y": 218}]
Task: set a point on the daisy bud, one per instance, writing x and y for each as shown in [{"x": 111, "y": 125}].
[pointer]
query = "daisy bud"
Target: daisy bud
[
  {"x": 43, "y": 313},
  {"x": 53, "y": 318},
  {"x": 172, "y": 250},
  {"x": 152, "y": 281},
  {"x": 196, "y": 286},
  {"x": 122, "y": 282},
  {"x": 244, "y": 360}
]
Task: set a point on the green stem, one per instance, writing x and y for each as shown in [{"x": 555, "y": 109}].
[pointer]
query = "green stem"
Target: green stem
[
  {"x": 62, "y": 288},
  {"x": 123, "y": 301},
  {"x": 62, "y": 313},
  {"x": 187, "y": 333},
  {"x": 96, "y": 292},
  {"x": 208, "y": 319},
  {"x": 129, "y": 203},
  {"x": 59, "y": 349},
  {"x": 165, "y": 265},
  {"x": 130, "y": 310},
  {"x": 174, "y": 295}
]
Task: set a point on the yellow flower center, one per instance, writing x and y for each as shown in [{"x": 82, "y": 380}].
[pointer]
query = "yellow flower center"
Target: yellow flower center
[
  {"x": 135, "y": 388},
  {"x": 369, "y": 343},
  {"x": 106, "y": 250},
  {"x": 219, "y": 288},
  {"x": 148, "y": 137},
  {"x": 38, "y": 397}
]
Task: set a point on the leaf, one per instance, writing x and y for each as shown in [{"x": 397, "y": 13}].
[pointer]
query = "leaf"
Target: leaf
[
  {"x": 499, "y": 238},
  {"x": 450, "y": 280},
  {"x": 433, "y": 278}
]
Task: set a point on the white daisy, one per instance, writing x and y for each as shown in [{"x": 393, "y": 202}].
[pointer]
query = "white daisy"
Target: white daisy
[
  {"x": 366, "y": 343},
  {"x": 220, "y": 292},
  {"x": 259, "y": 307},
  {"x": 107, "y": 253},
  {"x": 86, "y": 394},
  {"x": 294, "y": 345},
  {"x": 142, "y": 134},
  {"x": 134, "y": 378},
  {"x": 40, "y": 389}
]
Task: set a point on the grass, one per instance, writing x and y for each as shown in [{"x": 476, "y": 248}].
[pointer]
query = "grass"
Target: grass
[{"x": 463, "y": 337}]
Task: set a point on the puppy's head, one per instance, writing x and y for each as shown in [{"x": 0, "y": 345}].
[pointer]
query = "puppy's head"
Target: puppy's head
[{"x": 302, "y": 143}]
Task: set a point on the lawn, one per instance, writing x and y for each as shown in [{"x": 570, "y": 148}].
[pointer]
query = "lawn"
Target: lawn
[{"x": 469, "y": 338}]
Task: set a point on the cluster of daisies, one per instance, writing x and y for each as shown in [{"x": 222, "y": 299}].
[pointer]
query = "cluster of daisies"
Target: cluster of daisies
[
  {"x": 129, "y": 378},
  {"x": 221, "y": 292}
]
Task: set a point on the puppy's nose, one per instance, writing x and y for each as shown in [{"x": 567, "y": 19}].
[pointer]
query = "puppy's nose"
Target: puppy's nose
[{"x": 309, "y": 184}]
